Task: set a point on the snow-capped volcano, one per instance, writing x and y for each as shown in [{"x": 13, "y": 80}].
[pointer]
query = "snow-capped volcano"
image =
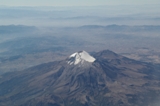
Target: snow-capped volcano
[
  {"x": 110, "y": 76},
  {"x": 80, "y": 57}
]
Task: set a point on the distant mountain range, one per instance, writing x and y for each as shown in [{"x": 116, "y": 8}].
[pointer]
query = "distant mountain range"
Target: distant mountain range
[
  {"x": 103, "y": 79},
  {"x": 10, "y": 29},
  {"x": 126, "y": 28}
]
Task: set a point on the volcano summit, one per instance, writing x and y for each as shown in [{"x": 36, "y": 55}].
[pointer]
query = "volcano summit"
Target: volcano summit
[{"x": 80, "y": 57}]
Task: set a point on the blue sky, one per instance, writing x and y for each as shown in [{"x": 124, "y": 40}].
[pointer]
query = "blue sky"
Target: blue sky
[{"x": 75, "y": 2}]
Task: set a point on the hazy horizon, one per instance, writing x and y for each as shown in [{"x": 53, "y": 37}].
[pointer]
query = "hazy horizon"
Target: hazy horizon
[
  {"x": 75, "y": 2},
  {"x": 69, "y": 16}
]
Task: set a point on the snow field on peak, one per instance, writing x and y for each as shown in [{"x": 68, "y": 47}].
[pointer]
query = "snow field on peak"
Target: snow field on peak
[{"x": 80, "y": 57}]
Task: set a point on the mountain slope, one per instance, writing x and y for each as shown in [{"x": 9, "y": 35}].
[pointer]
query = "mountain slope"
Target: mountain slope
[{"x": 109, "y": 80}]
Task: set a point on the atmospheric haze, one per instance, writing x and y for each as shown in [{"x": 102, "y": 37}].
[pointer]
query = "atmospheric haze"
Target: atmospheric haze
[
  {"x": 82, "y": 15},
  {"x": 75, "y": 2}
]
